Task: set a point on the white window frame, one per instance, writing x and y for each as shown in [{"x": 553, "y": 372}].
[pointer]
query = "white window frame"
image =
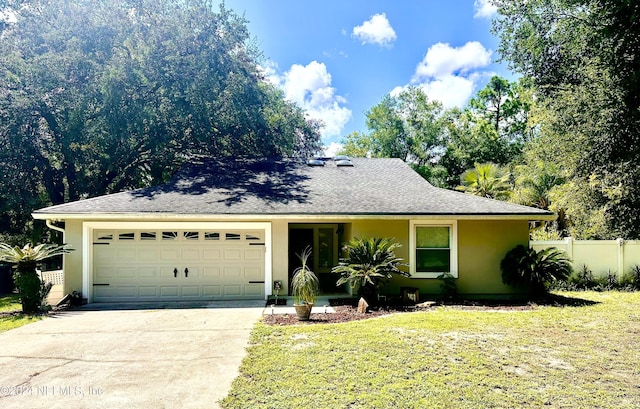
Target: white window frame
[{"x": 453, "y": 246}]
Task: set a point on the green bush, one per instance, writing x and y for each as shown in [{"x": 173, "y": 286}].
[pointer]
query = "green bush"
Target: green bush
[
  {"x": 448, "y": 287},
  {"x": 33, "y": 292},
  {"x": 366, "y": 262},
  {"x": 535, "y": 271}
]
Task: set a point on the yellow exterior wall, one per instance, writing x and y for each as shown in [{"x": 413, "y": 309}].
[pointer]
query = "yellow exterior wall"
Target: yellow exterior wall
[
  {"x": 481, "y": 247},
  {"x": 73, "y": 260},
  {"x": 280, "y": 251}
]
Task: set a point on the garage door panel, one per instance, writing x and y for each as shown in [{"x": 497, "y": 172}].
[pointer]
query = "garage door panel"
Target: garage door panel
[
  {"x": 190, "y": 291},
  {"x": 212, "y": 254},
  {"x": 169, "y": 255},
  {"x": 127, "y": 272},
  {"x": 169, "y": 291},
  {"x": 211, "y": 272},
  {"x": 232, "y": 290},
  {"x": 253, "y": 290},
  {"x": 126, "y": 291},
  {"x": 149, "y": 254},
  {"x": 124, "y": 255},
  {"x": 141, "y": 265},
  {"x": 148, "y": 292},
  {"x": 190, "y": 255},
  {"x": 212, "y": 290},
  {"x": 254, "y": 254},
  {"x": 148, "y": 273}
]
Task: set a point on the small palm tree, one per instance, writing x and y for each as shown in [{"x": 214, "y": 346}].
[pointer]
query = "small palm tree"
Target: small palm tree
[
  {"x": 535, "y": 270},
  {"x": 486, "y": 180},
  {"x": 304, "y": 283},
  {"x": 33, "y": 292},
  {"x": 367, "y": 261}
]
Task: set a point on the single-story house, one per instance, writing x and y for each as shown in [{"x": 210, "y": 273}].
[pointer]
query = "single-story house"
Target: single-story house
[{"x": 230, "y": 229}]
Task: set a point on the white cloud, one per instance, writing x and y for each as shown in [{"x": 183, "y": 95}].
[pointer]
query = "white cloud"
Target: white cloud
[
  {"x": 484, "y": 9},
  {"x": 451, "y": 74},
  {"x": 310, "y": 87},
  {"x": 333, "y": 149},
  {"x": 376, "y": 30},
  {"x": 8, "y": 16},
  {"x": 442, "y": 59}
]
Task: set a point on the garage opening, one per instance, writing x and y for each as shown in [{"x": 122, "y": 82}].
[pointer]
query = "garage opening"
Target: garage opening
[{"x": 178, "y": 265}]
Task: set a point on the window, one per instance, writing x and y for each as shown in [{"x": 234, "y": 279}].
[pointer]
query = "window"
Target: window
[
  {"x": 210, "y": 235},
  {"x": 148, "y": 235},
  {"x": 434, "y": 249},
  {"x": 191, "y": 235},
  {"x": 126, "y": 236}
]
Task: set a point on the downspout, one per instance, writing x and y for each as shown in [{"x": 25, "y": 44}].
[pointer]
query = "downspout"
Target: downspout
[{"x": 56, "y": 228}]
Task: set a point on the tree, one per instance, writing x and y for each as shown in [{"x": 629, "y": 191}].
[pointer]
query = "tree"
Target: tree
[
  {"x": 98, "y": 97},
  {"x": 486, "y": 180},
  {"x": 583, "y": 57},
  {"x": 405, "y": 126},
  {"x": 33, "y": 292}
]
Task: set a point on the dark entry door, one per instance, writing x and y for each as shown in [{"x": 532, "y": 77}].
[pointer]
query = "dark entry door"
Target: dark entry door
[{"x": 299, "y": 239}]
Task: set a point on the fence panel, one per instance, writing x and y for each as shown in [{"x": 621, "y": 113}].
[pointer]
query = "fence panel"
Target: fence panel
[{"x": 600, "y": 256}]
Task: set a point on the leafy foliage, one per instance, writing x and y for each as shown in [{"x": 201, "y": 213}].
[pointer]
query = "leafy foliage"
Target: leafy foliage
[
  {"x": 583, "y": 57},
  {"x": 535, "y": 270},
  {"x": 366, "y": 262},
  {"x": 304, "y": 283},
  {"x": 99, "y": 97},
  {"x": 448, "y": 287},
  {"x": 486, "y": 180},
  {"x": 33, "y": 292}
]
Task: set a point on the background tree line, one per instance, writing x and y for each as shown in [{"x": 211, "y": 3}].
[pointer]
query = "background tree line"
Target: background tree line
[
  {"x": 101, "y": 96},
  {"x": 564, "y": 137}
]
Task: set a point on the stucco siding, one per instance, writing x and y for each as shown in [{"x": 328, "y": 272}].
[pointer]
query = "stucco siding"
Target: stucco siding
[
  {"x": 481, "y": 247},
  {"x": 73, "y": 260}
]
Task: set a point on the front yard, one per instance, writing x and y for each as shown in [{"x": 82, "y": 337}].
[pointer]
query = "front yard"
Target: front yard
[
  {"x": 10, "y": 316},
  {"x": 569, "y": 357}
]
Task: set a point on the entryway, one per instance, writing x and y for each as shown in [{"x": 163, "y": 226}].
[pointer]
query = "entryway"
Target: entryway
[{"x": 325, "y": 240}]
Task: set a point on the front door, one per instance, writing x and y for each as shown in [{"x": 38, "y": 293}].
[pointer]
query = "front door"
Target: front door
[{"x": 324, "y": 241}]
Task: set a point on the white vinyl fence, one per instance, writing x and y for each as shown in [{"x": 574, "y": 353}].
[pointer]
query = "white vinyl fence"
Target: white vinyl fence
[{"x": 600, "y": 256}]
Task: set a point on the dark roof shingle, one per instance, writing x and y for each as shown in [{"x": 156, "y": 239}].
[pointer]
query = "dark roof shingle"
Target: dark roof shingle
[{"x": 286, "y": 186}]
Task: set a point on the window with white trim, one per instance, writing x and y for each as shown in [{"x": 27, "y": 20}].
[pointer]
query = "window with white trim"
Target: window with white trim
[{"x": 433, "y": 248}]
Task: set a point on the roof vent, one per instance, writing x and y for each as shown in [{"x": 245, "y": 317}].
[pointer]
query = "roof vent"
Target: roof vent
[
  {"x": 341, "y": 157},
  {"x": 315, "y": 162},
  {"x": 344, "y": 162}
]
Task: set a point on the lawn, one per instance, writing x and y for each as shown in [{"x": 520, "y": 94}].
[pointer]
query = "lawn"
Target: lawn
[
  {"x": 9, "y": 304},
  {"x": 569, "y": 357}
]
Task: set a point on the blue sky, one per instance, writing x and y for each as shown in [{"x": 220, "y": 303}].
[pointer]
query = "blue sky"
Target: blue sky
[{"x": 338, "y": 58}]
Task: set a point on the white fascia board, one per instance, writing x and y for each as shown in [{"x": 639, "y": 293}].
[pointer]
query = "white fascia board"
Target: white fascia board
[{"x": 171, "y": 217}]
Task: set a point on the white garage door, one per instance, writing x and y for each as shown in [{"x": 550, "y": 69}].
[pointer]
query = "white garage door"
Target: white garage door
[{"x": 155, "y": 265}]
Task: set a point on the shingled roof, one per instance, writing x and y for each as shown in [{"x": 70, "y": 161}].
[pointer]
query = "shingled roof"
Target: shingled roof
[{"x": 291, "y": 187}]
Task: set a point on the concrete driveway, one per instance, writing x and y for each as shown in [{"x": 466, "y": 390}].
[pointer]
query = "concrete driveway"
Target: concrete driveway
[{"x": 150, "y": 356}]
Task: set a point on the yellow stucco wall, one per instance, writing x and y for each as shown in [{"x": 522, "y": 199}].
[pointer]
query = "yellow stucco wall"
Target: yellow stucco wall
[
  {"x": 481, "y": 246},
  {"x": 73, "y": 260}
]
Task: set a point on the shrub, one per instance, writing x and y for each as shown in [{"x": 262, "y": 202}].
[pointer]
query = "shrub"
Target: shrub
[
  {"x": 366, "y": 262},
  {"x": 631, "y": 279},
  {"x": 33, "y": 292},
  {"x": 534, "y": 270},
  {"x": 448, "y": 287}
]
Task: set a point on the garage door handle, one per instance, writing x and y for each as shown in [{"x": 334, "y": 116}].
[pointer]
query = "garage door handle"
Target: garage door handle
[
  {"x": 256, "y": 282},
  {"x": 99, "y": 285},
  {"x": 186, "y": 272},
  {"x": 175, "y": 272}
]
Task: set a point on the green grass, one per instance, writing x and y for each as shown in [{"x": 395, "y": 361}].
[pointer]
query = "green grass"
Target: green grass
[
  {"x": 568, "y": 357},
  {"x": 11, "y": 303}
]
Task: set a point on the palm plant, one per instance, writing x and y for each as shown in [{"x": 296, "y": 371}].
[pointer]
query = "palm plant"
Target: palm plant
[
  {"x": 304, "y": 283},
  {"x": 486, "y": 180},
  {"x": 367, "y": 261},
  {"x": 33, "y": 292},
  {"x": 535, "y": 270}
]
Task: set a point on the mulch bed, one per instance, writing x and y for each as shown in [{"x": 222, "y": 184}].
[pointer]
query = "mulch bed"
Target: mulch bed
[{"x": 346, "y": 311}]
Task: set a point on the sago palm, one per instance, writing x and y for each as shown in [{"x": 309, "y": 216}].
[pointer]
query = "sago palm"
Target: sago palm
[
  {"x": 366, "y": 262},
  {"x": 31, "y": 290}
]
